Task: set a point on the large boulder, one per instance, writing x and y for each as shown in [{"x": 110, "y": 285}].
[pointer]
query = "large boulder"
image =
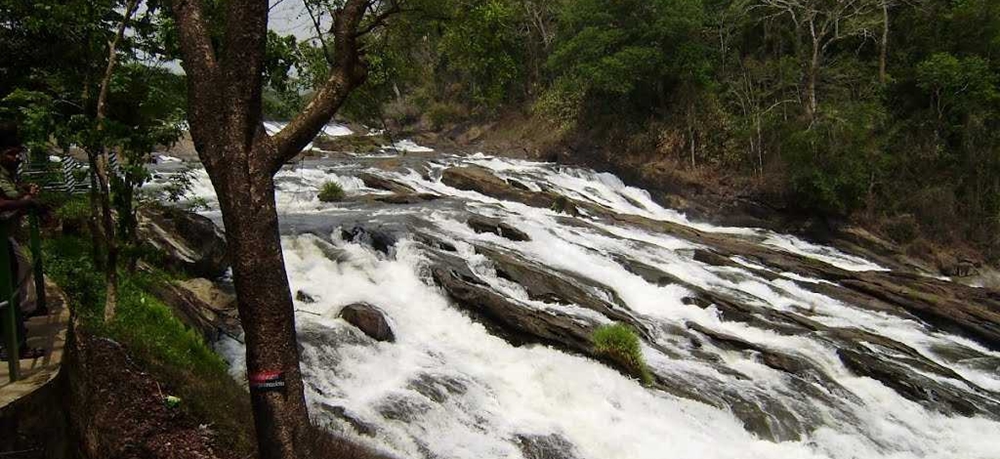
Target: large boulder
[
  {"x": 369, "y": 320},
  {"x": 379, "y": 238},
  {"x": 203, "y": 306},
  {"x": 474, "y": 178},
  {"x": 189, "y": 241},
  {"x": 381, "y": 183}
]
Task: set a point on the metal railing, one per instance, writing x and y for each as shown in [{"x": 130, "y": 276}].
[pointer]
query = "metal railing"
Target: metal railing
[{"x": 10, "y": 292}]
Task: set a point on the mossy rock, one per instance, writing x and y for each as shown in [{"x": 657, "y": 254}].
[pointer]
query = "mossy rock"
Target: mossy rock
[
  {"x": 620, "y": 344},
  {"x": 331, "y": 192}
]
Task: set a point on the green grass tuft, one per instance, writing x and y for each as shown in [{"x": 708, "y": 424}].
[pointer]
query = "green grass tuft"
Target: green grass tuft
[
  {"x": 620, "y": 344},
  {"x": 331, "y": 192}
]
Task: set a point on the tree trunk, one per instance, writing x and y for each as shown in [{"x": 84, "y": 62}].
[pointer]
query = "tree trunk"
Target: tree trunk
[
  {"x": 265, "y": 307},
  {"x": 93, "y": 221},
  {"x": 110, "y": 244},
  {"x": 883, "y": 75},
  {"x": 103, "y": 163},
  {"x": 813, "y": 102},
  {"x": 225, "y": 113}
]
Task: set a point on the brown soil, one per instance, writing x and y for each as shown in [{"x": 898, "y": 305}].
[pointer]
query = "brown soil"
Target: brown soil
[{"x": 119, "y": 411}]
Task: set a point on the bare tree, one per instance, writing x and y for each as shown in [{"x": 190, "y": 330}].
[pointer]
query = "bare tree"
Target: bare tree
[
  {"x": 224, "y": 97},
  {"x": 822, "y": 23}
]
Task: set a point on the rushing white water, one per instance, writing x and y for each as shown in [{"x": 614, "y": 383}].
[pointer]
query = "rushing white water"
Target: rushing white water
[{"x": 448, "y": 388}]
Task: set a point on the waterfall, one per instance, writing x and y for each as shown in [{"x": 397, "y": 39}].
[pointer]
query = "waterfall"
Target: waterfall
[{"x": 762, "y": 345}]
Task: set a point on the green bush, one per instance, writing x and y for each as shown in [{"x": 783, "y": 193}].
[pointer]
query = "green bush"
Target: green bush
[
  {"x": 331, "y": 192},
  {"x": 440, "y": 114},
  {"x": 620, "y": 344},
  {"x": 832, "y": 163},
  {"x": 76, "y": 208}
]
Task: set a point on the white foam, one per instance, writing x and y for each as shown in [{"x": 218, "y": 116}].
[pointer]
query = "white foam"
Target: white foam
[{"x": 536, "y": 390}]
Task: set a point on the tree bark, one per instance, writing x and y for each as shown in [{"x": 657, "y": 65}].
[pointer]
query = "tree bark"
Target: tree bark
[{"x": 265, "y": 302}]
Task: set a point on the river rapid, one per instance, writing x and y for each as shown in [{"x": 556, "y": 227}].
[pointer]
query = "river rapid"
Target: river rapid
[{"x": 751, "y": 356}]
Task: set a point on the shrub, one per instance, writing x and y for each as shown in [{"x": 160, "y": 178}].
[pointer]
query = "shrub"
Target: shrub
[
  {"x": 76, "y": 208},
  {"x": 440, "y": 114},
  {"x": 902, "y": 229},
  {"x": 832, "y": 163},
  {"x": 620, "y": 344},
  {"x": 331, "y": 192}
]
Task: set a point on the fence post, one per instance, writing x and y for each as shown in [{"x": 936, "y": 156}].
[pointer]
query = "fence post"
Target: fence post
[
  {"x": 9, "y": 321},
  {"x": 36, "y": 259}
]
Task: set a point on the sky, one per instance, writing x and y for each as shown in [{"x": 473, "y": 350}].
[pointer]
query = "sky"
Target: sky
[{"x": 289, "y": 17}]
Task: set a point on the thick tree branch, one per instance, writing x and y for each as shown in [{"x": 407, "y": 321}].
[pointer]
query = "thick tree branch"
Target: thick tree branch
[
  {"x": 242, "y": 66},
  {"x": 348, "y": 72},
  {"x": 245, "y": 42},
  {"x": 378, "y": 20},
  {"x": 102, "y": 97},
  {"x": 199, "y": 57}
]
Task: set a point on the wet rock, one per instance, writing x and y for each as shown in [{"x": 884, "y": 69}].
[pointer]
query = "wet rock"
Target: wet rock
[
  {"x": 960, "y": 268},
  {"x": 554, "y": 286},
  {"x": 382, "y": 183},
  {"x": 189, "y": 241},
  {"x": 955, "y": 353},
  {"x": 518, "y": 184},
  {"x": 380, "y": 239},
  {"x": 901, "y": 353},
  {"x": 552, "y": 446},
  {"x": 434, "y": 242},
  {"x": 765, "y": 417},
  {"x": 203, "y": 306},
  {"x": 491, "y": 225},
  {"x": 506, "y": 317},
  {"x": 481, "y": 180},
  {"x": 731, "y": 307},
  {"x": 437, "y": 387},
  {"x": 631, "y": 201},
  {"x": 369, "y": 320},
  {"x": 407, "y": 198},
  {"x": 951, "y": 307},
  {"x": 400, "y": 408},
  {"x": 304, "y": 297},
  {"x": 944, "y": 398},
  {"x": 351, "y": 419},
  {"x": 562, "y": 204}
]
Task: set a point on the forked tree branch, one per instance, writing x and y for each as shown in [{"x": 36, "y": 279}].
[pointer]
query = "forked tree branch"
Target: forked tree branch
[
  {"x": 348, "y": 72},
  {"x": 199, "y": 57}
]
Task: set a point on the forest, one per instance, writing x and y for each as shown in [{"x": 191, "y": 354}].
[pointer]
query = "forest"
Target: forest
[
  {"x": 882, "y": 111},
  {"x": 879, "y": 110},
  {"x": 506, "y": 228}
]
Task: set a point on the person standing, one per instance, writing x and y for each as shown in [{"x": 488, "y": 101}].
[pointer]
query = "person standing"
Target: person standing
[{"x": 14, "y": 202}]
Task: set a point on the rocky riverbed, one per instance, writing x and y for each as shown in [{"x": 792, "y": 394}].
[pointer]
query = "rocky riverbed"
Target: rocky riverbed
[{"x": 447, "y": 309}]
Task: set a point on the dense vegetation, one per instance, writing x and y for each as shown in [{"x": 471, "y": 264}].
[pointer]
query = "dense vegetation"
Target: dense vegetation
[
  {"x": 885, "y": 110},
  {"x": 175, "y": 354}
]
